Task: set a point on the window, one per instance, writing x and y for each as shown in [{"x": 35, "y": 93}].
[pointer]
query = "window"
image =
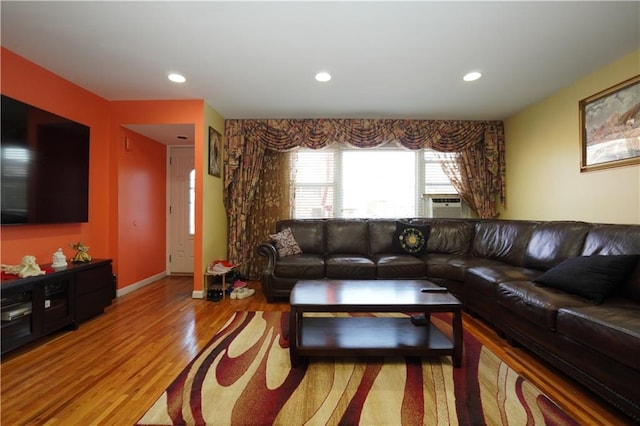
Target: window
[
  {"x": 379, "y": 183},
  {"x": 192, "y": 202}
]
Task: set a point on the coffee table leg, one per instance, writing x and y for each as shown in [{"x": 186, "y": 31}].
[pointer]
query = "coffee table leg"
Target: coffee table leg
[
  {"x": 457, "y": 338},
  {"x": 293, "y": 337}
]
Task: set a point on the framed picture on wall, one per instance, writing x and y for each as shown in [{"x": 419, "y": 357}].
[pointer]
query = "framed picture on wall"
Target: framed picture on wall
[
  {"x": 610, "y": 127},
  {"x": 214, "y": 153}
]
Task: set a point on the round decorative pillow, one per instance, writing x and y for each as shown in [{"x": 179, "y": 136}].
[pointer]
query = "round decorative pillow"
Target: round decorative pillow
[{"x": 412, "y": 240}]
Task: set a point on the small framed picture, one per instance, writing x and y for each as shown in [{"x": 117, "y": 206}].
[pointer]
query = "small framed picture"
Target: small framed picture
[
  {"x": 610, "y": 127},
  {"x": 214, "y": 153}
]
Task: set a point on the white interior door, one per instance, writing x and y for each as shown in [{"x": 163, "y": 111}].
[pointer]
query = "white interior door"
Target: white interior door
[{"x": 181, "y": 210}]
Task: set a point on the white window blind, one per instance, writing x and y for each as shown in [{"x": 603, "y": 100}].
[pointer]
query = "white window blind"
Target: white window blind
[
  {"x": 386, "y": 182},
  {"x": 435, "y": 180},
  {"x": 313, "y": 180}
]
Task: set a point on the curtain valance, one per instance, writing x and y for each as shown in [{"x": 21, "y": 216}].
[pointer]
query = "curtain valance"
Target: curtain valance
[{"x": 288, "y": 134}]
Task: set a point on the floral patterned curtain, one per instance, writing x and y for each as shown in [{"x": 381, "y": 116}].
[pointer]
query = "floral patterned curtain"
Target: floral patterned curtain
[
  {"x": 271, "y": 203},
  {"x": 478, "y": 172},
  {"x": 480, "y": 166},
  {"x": 243, "y": 162}
]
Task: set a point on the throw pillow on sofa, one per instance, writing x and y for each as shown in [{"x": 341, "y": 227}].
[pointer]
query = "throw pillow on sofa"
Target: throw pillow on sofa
[
  {"x": 592, "y": 277},
  {"x": 285, "y": 243},
  {"x": 410, "y": 239}
]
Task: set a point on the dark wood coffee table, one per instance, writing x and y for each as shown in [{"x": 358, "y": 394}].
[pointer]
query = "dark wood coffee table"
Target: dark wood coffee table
[{"x": 314, "y": 335}]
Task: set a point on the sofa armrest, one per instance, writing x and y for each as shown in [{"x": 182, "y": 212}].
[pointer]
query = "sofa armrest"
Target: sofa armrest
[{"x": 268, "y": 250}]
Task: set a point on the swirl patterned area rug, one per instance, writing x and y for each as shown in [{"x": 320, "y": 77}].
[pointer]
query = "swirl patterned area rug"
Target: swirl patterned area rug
[{"x": 243, "y": 377}]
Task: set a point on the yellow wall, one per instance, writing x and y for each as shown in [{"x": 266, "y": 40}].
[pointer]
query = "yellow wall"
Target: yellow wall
[
  {"x": 214, "y": 217},
  {"x": 543, "y": 159}
]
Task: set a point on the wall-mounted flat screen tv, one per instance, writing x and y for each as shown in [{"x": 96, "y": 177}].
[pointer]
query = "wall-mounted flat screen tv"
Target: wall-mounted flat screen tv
[{"x": 44, "y": 170}]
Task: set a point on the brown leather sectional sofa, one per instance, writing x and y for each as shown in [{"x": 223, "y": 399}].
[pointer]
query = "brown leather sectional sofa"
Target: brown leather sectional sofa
[{"x": 491, "y": 265}]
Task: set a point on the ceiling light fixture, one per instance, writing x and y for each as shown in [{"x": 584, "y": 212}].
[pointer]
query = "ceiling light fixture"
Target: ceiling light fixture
[
  {"x": 177, "y": 78},
  {"x": 323, "y": 77},
  {"x": 472, "y": 76}
]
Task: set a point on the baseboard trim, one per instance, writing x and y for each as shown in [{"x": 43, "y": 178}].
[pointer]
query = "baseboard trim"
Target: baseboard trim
[{"x": 138, "y": 285}]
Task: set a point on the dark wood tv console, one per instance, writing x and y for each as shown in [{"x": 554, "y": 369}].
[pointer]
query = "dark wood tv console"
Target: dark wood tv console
[{"x": 36, "y": 306}]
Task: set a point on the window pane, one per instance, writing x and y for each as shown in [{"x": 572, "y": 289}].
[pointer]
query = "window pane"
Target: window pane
[
  {"x": 435, "y": 180},
  {"x": 192, "y": 202},
  {"x": 378, "y": 183},
  {"x": 313, "y": 180}
]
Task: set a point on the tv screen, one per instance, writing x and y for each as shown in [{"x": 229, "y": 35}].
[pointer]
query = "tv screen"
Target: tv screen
[{"x": 44, "y": 174}]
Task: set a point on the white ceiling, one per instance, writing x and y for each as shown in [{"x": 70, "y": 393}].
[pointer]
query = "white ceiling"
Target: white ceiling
[{"x": 388, "y": 59}]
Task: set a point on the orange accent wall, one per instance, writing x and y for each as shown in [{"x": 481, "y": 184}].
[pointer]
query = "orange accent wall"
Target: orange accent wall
[
  {"x": 127, "y": 189},
  {"x": 141, "y": 208},
  {"x": 32, "y": 84}
]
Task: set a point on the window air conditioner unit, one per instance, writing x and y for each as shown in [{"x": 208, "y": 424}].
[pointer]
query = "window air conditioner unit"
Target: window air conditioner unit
[{"x": 445, "y": 206}]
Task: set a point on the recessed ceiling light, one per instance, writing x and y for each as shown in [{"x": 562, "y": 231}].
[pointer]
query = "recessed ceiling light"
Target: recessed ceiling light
[
  {"x": 323, "y": 76},
  {"x": 472, "y": 76},
  {"x": 177, "y": 78}
]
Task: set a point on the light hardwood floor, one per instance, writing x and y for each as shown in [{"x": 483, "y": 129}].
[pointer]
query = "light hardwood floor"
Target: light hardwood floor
[{"x": 112, "y": 369}]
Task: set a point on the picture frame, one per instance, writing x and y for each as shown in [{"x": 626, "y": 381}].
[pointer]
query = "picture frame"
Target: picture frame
[
  {"x": 215, "y": 167},
  {"x": 610, "y": 127}
]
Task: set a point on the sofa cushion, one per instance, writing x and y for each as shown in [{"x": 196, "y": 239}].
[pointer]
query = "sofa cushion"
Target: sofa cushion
[
  {"x": 502, "y": 240},
  {"x": 592, "y": 277},
  {"x": 399, "y": 266},
  {"x": 496, "y": 274},
  {"x": 553, "y": 242},
  {"x": 309, "y": 233},
  {"x": 349, "y": 267},
  {"x": 537, "y": 304},
  {"x": 612, "y": 328},
  {"x": 347, "y": 236},
  {"x": 452, "y": 266},
  {"x": 305, "y": 265},
  {"x": 439, "y": 266},
  {"x": 612, "y": 239},
  {"x": 410, "y": 239},
  {"x": 451, "y": 237},
  {"x": 381, "y": 235},
  {"x": 481, "y": 286},
  {"x": 285, "y": 243}
]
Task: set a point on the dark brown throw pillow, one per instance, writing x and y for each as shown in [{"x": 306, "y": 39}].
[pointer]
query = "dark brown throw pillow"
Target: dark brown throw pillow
[
  {"x": 592, "y": 277},
  {"x": 410, "y": 239}
]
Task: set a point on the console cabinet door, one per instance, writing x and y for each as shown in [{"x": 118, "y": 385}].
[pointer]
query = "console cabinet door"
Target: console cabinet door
[
  {"x": 20, "y": 323},
  {"x": 94, "y": 291},
  {"x": 57, "y": 302}
]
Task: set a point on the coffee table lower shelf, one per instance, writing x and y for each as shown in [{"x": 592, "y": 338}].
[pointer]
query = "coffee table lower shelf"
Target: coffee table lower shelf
[{"x": 367, "y": 336}]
